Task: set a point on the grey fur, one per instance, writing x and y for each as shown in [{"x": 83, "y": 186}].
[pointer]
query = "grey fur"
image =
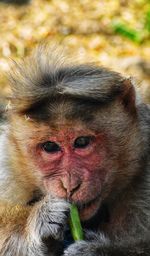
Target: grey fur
[{"x": 45, "y": 75}]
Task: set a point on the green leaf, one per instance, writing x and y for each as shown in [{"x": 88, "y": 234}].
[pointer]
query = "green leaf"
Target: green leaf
[
  {"x": 75, "y": 224},
  {"x": 147, "y": 21},
  {"x": 125, "y": 31}
]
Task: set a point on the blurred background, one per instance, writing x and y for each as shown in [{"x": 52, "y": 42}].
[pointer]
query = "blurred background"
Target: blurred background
[{"x": 112, "y": 33}]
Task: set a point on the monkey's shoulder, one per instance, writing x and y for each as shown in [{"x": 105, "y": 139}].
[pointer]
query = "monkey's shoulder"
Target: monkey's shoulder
[{"x": 9, "y": 183}]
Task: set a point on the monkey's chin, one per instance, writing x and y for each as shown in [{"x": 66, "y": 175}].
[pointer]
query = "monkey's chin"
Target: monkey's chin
[{"x": 89, "y": 210}]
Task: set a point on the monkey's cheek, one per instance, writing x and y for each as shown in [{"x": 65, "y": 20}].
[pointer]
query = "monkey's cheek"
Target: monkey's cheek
[{"x": 88, "y": 211}]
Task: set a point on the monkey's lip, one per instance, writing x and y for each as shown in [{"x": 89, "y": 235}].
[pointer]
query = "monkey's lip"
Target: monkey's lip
[{"x": 88, "y": 210}]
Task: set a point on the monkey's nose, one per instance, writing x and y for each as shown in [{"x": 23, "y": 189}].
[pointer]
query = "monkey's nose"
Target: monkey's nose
[{"x": 71, "y": 183}]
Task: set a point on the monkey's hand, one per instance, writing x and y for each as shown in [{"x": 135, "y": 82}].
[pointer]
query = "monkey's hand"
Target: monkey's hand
[
  {"x": 33, "y": 231},
  {"x": 98, "y": 244},
  {"x": 93, "y": 246},
  {"x": 47, "y": 222}
]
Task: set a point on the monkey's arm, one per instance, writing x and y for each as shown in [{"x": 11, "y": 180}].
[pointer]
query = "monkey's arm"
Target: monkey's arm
[
  {"x": 25, "y": 231},
  {"x": 101, "y": 246},
  {"x": 98, "y": 244},
  {"x": 134, "y": 241}
]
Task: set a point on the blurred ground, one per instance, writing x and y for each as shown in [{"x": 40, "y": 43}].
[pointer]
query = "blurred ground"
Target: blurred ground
[{"x": 112, "y": 33}]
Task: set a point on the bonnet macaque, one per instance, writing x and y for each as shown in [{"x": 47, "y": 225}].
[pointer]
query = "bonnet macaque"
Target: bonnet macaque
[{"x": 74, "y": 134}]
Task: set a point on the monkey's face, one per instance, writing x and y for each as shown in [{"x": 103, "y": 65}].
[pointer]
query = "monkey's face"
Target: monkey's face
[
  {"x": 77, "y": 159},
  {"x": 72, "y": 164},
  {"x": 70, "y": 161}
]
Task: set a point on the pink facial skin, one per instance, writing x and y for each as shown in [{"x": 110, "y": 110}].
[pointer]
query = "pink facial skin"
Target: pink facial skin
[{"x": 76, "y": 174}]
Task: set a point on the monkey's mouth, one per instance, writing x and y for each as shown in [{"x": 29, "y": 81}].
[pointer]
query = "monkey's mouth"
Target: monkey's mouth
[{"x": 88, "y": 210}]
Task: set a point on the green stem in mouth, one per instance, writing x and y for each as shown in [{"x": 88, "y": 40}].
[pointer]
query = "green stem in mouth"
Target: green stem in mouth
[{"x": 75, "y": 224}]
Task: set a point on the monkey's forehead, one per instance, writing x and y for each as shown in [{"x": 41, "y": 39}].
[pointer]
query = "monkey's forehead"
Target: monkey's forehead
[
  {"x": 71, "y": 117},
  {"x": 65, "y": 110}
]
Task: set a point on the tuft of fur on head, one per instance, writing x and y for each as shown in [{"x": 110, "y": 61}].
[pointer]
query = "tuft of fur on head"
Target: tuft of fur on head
[
  {"x": 30, "y": 77},
  {"x": 47, "y": 74}
]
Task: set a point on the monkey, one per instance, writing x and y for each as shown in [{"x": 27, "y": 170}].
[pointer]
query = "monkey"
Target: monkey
[{"x": 73, "y": 133}]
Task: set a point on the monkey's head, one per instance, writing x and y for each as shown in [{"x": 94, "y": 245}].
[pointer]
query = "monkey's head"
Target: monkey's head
[{"x": 75, "y": 129}]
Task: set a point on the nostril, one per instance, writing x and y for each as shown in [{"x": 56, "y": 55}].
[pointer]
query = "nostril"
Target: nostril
[{"x": 74, "y": 189}]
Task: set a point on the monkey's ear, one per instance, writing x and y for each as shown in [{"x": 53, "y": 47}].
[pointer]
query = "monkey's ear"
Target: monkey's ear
[{"x": 128, "y": 96}]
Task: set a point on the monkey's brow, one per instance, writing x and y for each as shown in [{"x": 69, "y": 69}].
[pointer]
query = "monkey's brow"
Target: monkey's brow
[
  {"x": 41, "y": 137},
  {"x": 51, "y": 109}
]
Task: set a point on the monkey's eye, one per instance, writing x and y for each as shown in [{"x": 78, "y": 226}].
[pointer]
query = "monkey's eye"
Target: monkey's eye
[
  {"x": 50, "y": 147},
  {"x": 82, "y": 142}
]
